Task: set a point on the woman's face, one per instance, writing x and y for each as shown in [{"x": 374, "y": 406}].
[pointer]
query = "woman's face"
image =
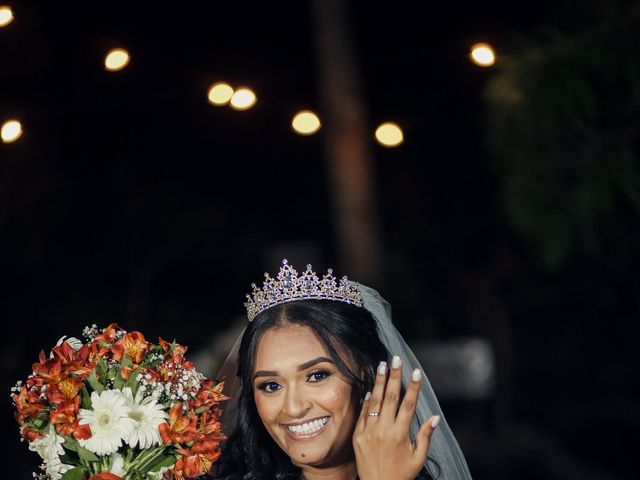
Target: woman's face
[{"x": 305, "y": 404}]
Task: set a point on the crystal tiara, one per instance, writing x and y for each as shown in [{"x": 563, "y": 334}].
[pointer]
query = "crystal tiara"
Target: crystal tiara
[{"x": 289, "y": 287}]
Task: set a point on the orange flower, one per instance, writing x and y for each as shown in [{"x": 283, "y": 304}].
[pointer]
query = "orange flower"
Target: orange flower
[
  {"x": 192, "y": 465},
  {"x": 28, "y": 405},
  {"x": 180, "y": 429},
  {"x": 133, "y": 345},
  {"x": 65, "y": 389},
  {"x": 209, "y": 395},
  {"x": 31, "y": 434},
  {"x": 64, "y": 417},
  {"x": 178, "y": 350},
  {"x": 105, "y": 476},
  {"x": 108, "y": 335},
  {"x": 48, "y": 370}
]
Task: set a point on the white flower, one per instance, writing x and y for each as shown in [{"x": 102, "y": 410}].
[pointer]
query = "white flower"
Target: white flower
[
  {"x": 72, "y": 341},
  {"x": 109, "y": 422},
  {"x": 49, "y": 447},
  {"x": 117, "y": 465},
  {"x": 148, "y": 414}
]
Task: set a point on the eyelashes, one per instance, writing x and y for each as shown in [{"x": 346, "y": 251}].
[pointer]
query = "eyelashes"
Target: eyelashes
[{"x": 316, "y": 376}]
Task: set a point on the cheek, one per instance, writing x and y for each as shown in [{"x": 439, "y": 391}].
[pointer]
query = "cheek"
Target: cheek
[
  {"x": 337, "y": 399},
  {"x": 267, "y": 410}
]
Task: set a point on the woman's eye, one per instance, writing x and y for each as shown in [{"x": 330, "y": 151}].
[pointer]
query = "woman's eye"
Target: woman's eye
[
  {"x": 318, "y": 376},
  {"x": 269, "y": 387}
]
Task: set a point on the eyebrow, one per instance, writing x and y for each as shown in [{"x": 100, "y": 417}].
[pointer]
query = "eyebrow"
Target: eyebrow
[{"x": 304, "y": 366}]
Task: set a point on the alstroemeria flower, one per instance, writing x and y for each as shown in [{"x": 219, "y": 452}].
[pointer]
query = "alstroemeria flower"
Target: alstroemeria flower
[
  {"x": 64, "y": 390},
  {"x": 133, "y": 345},
  {"x": 209, "y": 395},
  {"x": 28, "y": 405},
  {"x": 180, "y": 429},
  {"x": 192, "y": 465},
  {"x": 65, "y": 419}
]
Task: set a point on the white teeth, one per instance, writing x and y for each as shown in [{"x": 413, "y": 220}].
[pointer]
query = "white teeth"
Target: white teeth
[{"x": 309, "y": 427}]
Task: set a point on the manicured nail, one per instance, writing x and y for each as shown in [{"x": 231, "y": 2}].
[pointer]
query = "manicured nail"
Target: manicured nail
[
  {"x": 382, "y": 368},
  {"x": 367, "y": 396},
  {"x": 396, "y": 362},
  {"x": 435, "y": 421},
  {"x": 416, "y": 375}
]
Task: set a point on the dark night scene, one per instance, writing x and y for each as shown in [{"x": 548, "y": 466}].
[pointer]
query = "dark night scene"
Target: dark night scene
[{"x": 478, "y": 164}]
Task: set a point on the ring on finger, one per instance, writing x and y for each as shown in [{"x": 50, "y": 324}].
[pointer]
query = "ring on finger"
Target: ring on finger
[{"x": 374, "y": 414}]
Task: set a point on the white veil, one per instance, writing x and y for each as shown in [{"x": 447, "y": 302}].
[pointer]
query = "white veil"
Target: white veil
[
  {"x": 444, "y": 449},
  {"x": 446, "y": 459}
]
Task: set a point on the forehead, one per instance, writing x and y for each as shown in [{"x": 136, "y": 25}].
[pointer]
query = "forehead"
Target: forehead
[{"x": 286, "y": 346}]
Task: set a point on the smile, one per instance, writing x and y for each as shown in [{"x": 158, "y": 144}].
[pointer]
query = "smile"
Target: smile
[{"x": 309, "y": 427}]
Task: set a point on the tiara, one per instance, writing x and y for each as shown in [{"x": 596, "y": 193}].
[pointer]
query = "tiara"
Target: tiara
[{"x": 289, "y": 287}]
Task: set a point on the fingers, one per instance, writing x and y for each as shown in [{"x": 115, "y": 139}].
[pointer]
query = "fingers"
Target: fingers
[
  {"x": 392, "y": 392},
  {"x": 410, "y": 400},
  {"x": 423, "y": 438},
  {"x": 377, "y": 395},
  {"x": 364, "y": 411}
]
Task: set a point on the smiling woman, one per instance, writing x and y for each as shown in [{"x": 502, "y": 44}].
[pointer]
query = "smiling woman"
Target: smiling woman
[{"x": 315, "y": 397}]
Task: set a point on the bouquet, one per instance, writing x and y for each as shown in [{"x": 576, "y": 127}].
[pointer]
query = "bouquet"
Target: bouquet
[{"x": 119, "y": 407}]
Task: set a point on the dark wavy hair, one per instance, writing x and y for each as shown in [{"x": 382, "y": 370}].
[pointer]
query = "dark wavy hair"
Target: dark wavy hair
[{"x": 250, "y": 453}]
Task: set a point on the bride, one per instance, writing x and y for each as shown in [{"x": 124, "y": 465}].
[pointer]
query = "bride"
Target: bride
[{"x": 324, "y": 387}]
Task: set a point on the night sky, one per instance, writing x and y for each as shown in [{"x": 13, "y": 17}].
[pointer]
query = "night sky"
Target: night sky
[{"x": 131, "y": 199}]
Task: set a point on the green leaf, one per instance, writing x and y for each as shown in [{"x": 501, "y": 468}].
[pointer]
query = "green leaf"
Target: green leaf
[
  {"x": 74, "y": 474},
  {"x": 70, "y": 443},
  {"x": 92, "y": 379},
  {"x": 166, "y": 461},
  {"x": 126, "y": 361},
  {"x": 85, "y": 454},
  {"x": 85, "y": 398},
  {"x": 132, "y": 382}
]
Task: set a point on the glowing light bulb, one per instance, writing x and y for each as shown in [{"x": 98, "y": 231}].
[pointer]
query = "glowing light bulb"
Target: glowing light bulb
[
  {"x": 220, "y": 93},
  {"x": 11, "y": 131},
  {"x": 482, "y": 54},
  {"x": 6, "y": 16},
  {"x": 243, "y": 99},
  {"x": 305, "y": 123},
  {"x": 116, "y": 59},
  {"x": 389, "y": 134}
]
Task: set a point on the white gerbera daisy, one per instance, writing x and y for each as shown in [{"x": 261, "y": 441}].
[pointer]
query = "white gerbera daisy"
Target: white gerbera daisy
[
  {"x": 148, "y": 414},
  {"x": 49, "y": 447},
  {"x": 109, "y": 422}
]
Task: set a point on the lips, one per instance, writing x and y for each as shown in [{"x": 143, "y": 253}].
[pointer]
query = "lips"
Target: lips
[{"x": 308, "y": 429}]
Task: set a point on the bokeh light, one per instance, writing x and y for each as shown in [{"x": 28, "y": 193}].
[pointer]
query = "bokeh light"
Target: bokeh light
[
  {"x": 116, "y": 59},
  {"x": 243, "y": 99},
  {"x": 11, "y": 131},
  {"x": 482, "y": 54},
  {"x": 6, "y": 15},
  {"x": 220, "y": 93},
  {"x": 305, "y": 123},
  {"x": 389, "y": 134}
]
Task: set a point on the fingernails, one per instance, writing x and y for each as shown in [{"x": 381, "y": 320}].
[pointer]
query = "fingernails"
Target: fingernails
[
  {"x": 367, "y": 396},
  {"x": 416, "y": 375},
  {"x": 435, "y": 421},
  {"x": 382, "y": 368},
  {"x": 396, "y": 362}
]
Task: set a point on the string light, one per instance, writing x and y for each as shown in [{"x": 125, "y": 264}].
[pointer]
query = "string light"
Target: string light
[
  {"x": 6, "y": 15},
  {"x": 116, "y": 59},
  {"x": 220, "y": 93},
  {"x": 305, "y": 123},
  {"x": 483, "y": 55},
  {"x": 11, "y": 131},
  {"x": 389, "y": 134},
  {"x": 243, "y": 99}
]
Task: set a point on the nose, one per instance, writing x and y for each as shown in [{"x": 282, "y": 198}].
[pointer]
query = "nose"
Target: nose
[{"x": 295, "y": 404}]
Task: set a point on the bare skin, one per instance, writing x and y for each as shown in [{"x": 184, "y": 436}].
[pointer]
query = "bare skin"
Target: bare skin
[{"x": 310, "y": 411}]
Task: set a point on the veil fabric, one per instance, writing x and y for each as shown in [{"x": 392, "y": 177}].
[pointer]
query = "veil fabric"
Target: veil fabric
[
  {"x": 448, "y": 460},
  {"x": 443, "y": 449}
]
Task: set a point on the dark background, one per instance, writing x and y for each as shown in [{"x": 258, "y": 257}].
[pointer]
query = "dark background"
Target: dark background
[{"x": 130, "y": 199}]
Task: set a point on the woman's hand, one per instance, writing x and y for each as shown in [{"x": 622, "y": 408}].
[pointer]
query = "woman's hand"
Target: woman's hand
[{"x": 381, "y": 440}]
